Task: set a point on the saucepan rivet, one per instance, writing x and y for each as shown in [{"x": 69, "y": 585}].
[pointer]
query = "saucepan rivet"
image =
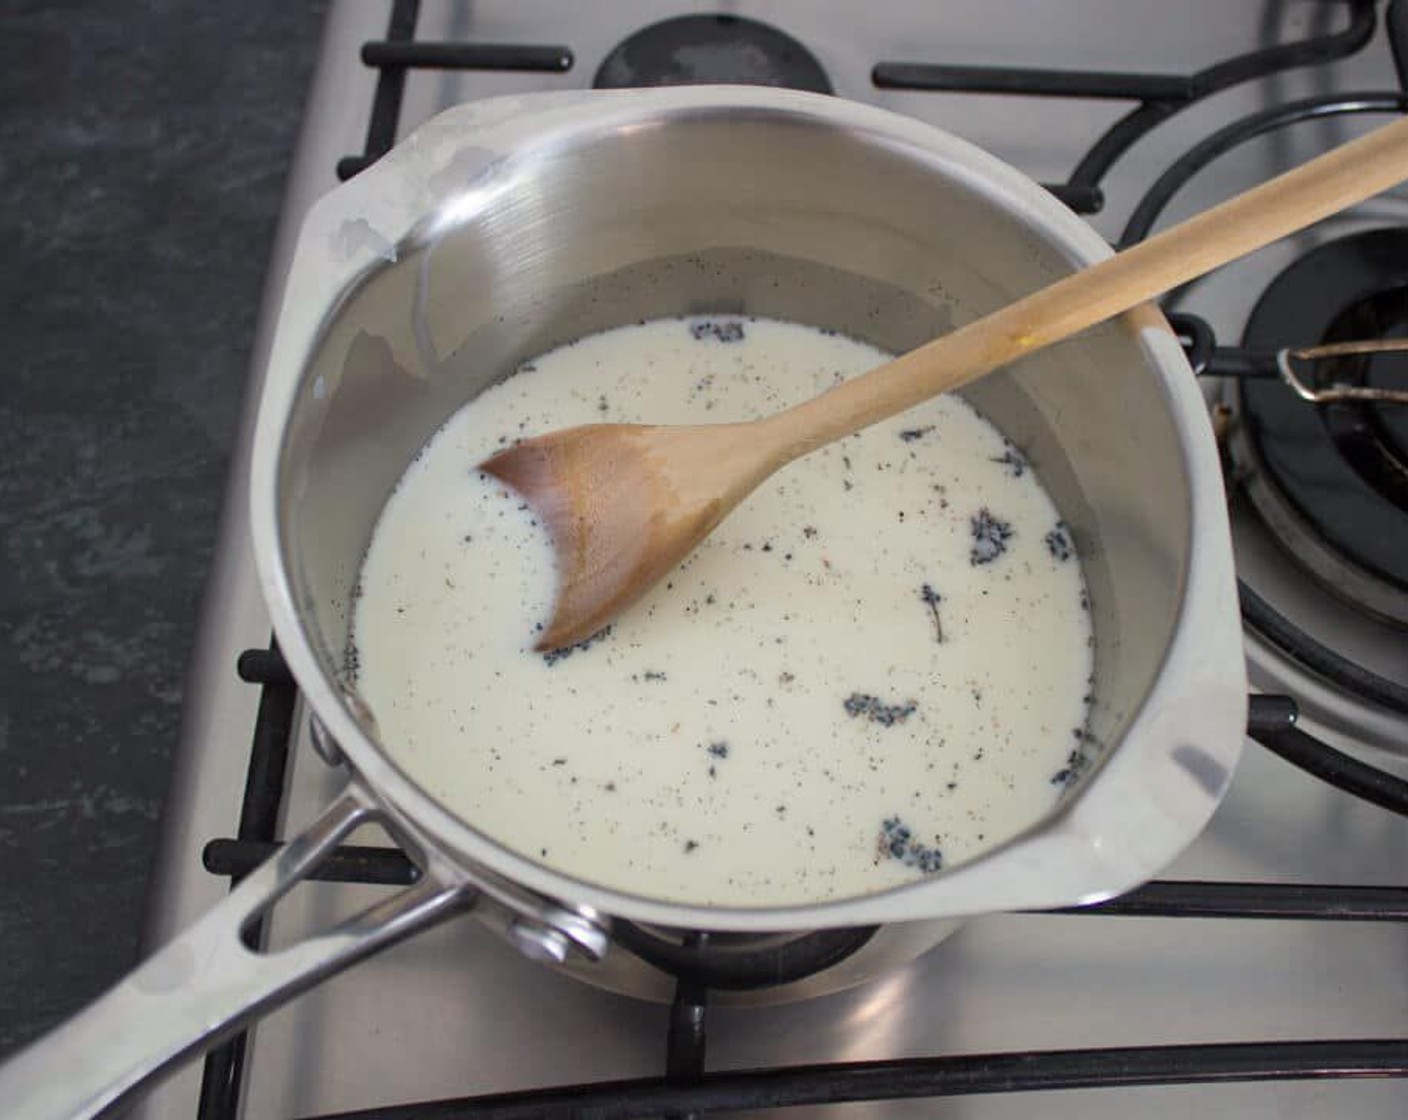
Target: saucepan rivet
[{"x": 538, "y": 942}]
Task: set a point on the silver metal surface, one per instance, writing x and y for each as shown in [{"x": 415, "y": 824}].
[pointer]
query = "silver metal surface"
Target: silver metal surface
[
  {"x": 456, "y": 1011},
  {"x": 538, "y": 942},
  {"x": 323, "y": 743}
]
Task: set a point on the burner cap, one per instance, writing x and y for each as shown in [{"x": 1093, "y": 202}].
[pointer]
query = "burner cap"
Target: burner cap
[
  {"x": 704, "y": 49},
  {"x": 1340, "y": 471}
]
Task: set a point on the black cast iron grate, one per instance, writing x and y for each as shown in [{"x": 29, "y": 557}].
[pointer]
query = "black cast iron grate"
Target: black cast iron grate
[
  {"x": 687, "y": 1089},
  {"x": 1158, "y": 96}
]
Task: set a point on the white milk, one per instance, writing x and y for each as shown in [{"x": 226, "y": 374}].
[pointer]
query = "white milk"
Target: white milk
[{"x": 876, "y": 667}]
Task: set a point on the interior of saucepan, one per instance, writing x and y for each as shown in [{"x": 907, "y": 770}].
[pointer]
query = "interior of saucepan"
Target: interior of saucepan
[{"x": 762, "y": 214}]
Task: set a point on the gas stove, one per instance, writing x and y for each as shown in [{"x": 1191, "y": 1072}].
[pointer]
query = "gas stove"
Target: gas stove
[{"x": 1273, "y": 948}]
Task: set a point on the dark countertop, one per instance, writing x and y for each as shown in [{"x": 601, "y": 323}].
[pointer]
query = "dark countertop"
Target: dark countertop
[{"x": 143, "y": 151}]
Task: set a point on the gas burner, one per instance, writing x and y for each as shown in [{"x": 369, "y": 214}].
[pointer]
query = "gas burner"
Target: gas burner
[
  {"x": 1331, "y": 480},
  {"x": 697, "y": 50},
  {"x": 773, "y": 965}
]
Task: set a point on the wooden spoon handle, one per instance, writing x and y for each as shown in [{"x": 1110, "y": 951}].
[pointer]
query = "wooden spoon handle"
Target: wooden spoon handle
[{"x": 1351, "y": 173}]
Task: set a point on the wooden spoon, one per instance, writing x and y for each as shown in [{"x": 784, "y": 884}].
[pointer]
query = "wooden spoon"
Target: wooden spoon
[{"x": 626, "y": 502}]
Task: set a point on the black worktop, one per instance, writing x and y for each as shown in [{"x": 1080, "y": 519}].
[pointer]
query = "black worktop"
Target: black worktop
[{"x": 143, "y": 152}]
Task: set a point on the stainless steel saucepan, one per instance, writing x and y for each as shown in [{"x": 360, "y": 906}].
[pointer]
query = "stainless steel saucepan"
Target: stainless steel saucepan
[{"x": 503, "y": 228}]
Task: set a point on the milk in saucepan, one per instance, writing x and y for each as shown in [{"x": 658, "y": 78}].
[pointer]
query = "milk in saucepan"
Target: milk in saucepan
[{"x": 875, "y": 668}]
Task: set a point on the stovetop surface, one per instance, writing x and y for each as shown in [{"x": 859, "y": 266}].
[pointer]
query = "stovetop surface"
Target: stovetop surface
[{"x": 456, "y": 1012}]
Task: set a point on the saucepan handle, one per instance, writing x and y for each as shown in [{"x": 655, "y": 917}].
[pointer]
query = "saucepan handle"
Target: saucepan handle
[{"x": 207, "y": 983}]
